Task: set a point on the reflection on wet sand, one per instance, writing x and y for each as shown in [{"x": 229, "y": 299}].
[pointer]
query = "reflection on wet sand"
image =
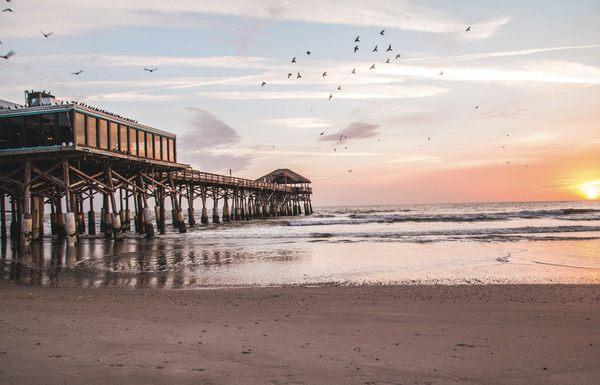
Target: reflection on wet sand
[{"x": 135, "y": 263}]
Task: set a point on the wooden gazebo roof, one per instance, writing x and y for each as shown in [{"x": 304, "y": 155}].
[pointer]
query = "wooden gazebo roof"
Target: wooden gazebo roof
[{"x": 283, "y": 176}]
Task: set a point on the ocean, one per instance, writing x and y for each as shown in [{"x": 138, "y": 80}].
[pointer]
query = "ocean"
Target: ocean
[{"x": 479, "y": 243}]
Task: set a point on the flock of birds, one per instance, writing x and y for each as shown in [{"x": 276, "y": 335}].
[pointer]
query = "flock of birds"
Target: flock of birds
[{"x": 290, "y": 75}]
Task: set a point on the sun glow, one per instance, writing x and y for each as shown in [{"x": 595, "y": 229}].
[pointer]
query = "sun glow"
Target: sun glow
[{"x": 591, "y": 189}]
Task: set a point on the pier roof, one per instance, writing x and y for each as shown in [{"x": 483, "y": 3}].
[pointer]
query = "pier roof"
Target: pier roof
[{"x": 283, "y": 176}]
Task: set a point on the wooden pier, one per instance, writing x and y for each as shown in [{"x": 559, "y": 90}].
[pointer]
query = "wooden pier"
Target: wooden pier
[{"x": 71, "y": 159}]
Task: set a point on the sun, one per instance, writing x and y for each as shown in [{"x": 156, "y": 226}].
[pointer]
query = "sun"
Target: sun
[{"x": 591, "y": 189}]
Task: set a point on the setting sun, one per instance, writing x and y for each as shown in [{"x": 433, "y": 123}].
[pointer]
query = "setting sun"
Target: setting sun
[{"x": 591, "y": 189}]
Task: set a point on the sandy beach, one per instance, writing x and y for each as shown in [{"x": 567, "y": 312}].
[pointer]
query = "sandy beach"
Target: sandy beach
[{"x": 498, "y": 334}]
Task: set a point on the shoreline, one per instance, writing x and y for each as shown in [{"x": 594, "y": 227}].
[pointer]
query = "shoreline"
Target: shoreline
[{"x": 437, "y": 334}]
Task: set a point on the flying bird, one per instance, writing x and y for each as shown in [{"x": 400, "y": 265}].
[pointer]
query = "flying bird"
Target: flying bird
[
  {"x": 468, "y": 29},
  {"x": 339, "y": 88},
  {"x": 389, "y": 49},
  {"x": 441, "y": 73},
  {"x": 355, "y": 48},
  {"x": 357, "y": 40},
  {"x": 429, "y": 138},
  {"x": 350, "y": 170},
  {"x": 8, "y": 55},
  {"x": 330, "y": 96},
  {"x": 263, "y": 84},
  {"x": 375, "y": 49},
  {"x": 398, "y": 56},
  {"x": 308, "y": 53},
  {"x": 477, "y": 107},
  {"x": 290, "y": 75},
  {"x": 373, "y": 67},
  {"x": 324, "y": 73},
  {"x": 298, "y": 76},
  {"x": 294, "y": 60},
  {"x": 388, "y": 60},
  {"x": 354, "y": 71},
  {"x": 77, "y": 73},
  {"x": 322, "y": 133},
  {"x": 8, "y": 10},
  {"x": 150, "y": 69},
  {"x": 47, "y": 35},
  {"x": 382, "y": 32}
]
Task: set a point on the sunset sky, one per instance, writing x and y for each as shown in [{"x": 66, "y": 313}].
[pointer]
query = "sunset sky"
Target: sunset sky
[{"x": 414, "y": 133}]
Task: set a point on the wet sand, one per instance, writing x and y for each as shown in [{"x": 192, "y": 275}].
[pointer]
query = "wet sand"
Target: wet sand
[{"x": 502, "y": 334}]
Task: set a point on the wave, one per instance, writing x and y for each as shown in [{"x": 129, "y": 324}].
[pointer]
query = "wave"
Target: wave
[{"x": 567, "y": 214}]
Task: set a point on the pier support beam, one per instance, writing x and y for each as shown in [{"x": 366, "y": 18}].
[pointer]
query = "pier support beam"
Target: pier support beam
[
  {"x": 91, "y": 216},
  {"x": 3, "y": 217},
  {"x": 190, "y": 199},
  {"x": 71, "y": 230},
  {"x": 26, "y": 222}
]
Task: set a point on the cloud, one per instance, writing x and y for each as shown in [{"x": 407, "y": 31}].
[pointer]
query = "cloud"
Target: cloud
[
  {"x": 355, "y": 130},
  {"x": 69, "y": 17},
  {"x": 297, "y": 122}
]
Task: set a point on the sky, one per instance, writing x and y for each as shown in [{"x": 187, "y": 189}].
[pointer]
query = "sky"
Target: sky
[{"x": 507, "y": 111}]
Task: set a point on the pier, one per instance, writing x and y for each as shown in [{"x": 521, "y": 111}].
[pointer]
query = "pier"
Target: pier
[{"x": 72, "y": 159}]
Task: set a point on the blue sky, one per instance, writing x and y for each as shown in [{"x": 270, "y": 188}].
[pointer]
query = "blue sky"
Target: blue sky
[{"x": 531, "y": 67}]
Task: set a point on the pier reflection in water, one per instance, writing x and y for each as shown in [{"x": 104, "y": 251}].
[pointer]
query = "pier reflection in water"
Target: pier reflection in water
[{"x": 135, "y": 263}]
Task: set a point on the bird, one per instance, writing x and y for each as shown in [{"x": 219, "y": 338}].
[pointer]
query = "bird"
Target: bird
[
  {"x": 382, "y": 32},
  {"x": 330, "y": 96},
  {"x": 350, "y": 170},
  {"x": 322, "y": 133},
  {"x": 375, "y": 49},
  {"x": 273, "y": 147},
  {"x": 77, "y": 73},
  {"x": 441, "y": 73},
  {"x": 308, "y": 53},
  {"x": 1, "y": 43},
  {"x": 8, "y": 10},
  {"x": 468, "y": 29},
  {"x": 345, "y": 147},
  {"x": 290, "y": 75},
  {"x": 324, "y": 73},
  {"x": 429, "y": 138},
  {"x": 339, "y": 88},
  {"x": 355, "y": 48},
  {"x": 263, "y": 84},
  {"x": 298, "y": 76},
  {"x": 8, "y": 55},
  {"x": 334, "y": 149},
  {"x": 357, "y": 40},
  {"x": 151, "y": 69},
  {"x": 388, "y": 60},
  {"x": 373, "y": 67},
  {"x": 294, "y": 60},
  {"x": 389, "y": 49},
  {"x": 398, "y": 56},
  {"x": 47, "y": 35},
  {"x": 477, "y": 107},
  {"x": 354, "y": 71}
]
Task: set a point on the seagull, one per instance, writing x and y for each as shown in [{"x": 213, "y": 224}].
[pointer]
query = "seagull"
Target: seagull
[
  {"x": 294, "y": 60},
  {"x": 441, "y": 73},
  {"x": 350, "y": 170},
  {"x": 298, "y": 76},
  {"x": 398, "y": 56},
  {"x": 290, "y": 75},
  {"x": 354, "y": 71},
  {"x": 322, "y": 133},
  {"x": 308, "y": 53},
  {"x": 389, "y": 49},
  {"x": 334, "y": 149},
  {"x": 8, "y": 55},
  {"x": 375, "y": 49},
  {"x": 263, "y": 84},
  {"x": 77, "y": 73},
  {"x": 429, "y": 138},
  {"x": 477, "y": 107},
  {"x": 273, "y": 147},
  {"x": 355, "y": 48},
  {"x": 47, "y": 35},
  {"x": 330, "y": 96},
  {"x": 373, "y": 67},
  {"x": 324, "y": 73},
  {"x": 382, "y": 32},
  {"x": 151, "y": 69},
  {"x": 388, "y": 60},
  {"x": 8, "y": 10},
  {"x": 339, "y": 88},
  {"x": 357, "y": 40},
  {"x": 468, "y": 29}
]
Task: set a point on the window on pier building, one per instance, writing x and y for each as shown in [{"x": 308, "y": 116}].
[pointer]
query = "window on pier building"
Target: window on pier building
[
  {"x": 79, "y": 129},
  {"x": 33, "y": 130},
  {"x": 165, "y": 149},
  {"x": 113, "y": 136},
  {"x": 171, "y": 150},
  {"x": 47, "y": 130},
  {"x": 132, "y": 141},
  {"x": 64, "y": 131},
  {"x": 103, "y": 134},
  {"x": 141, "y": 139},
  {"x": 157, "y": 147},
  {"x": 149, "y": 145},
  {"x": 123, "y": 143},
  {"x": 91, "y": 131},
  {"x": 5, "y": 133}
]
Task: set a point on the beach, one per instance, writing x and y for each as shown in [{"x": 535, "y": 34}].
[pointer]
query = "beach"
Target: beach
[{"x": 377, "y": 334}]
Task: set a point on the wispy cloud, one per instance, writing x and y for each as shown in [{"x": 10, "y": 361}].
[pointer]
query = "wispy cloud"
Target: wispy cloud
[{"x": 297, "y": 122}]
